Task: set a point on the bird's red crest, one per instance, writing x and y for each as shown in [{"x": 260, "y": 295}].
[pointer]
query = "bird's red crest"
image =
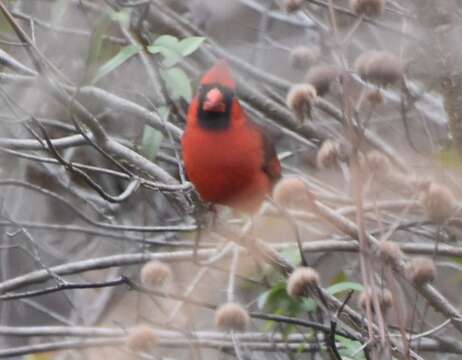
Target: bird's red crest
[{"x": 219, "y": 73}]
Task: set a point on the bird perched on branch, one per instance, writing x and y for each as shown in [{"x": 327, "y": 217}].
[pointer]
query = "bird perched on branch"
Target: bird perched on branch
[{"x": 229, "y": 159}]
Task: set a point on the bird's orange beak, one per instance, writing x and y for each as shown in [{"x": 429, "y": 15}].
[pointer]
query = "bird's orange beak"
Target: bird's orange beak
[{"x": 214, "y": 101}]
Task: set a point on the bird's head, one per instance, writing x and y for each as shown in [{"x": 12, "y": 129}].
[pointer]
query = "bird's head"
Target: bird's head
[{"x": 216, "y": 93}]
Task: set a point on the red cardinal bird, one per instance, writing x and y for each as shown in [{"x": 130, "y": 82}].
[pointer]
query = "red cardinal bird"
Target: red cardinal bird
[{"x": 228, "y": 158}]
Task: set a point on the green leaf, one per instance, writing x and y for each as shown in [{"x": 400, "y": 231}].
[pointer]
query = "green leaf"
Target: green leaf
[
  {"x": 263, "y": 299},
  {"x": 123, "y": 55},
  {"x": 167, "y": 46},
  {"x": 152, "y": 138},
  {"x": 270, "y": 324},
  {"x": 171, "y": 57},
  {"x": 177, "y": 83},
  {"x": 340, "y": 277},
  {"x": 122, "y": 17},
  {"x": 292, "y": 255},
  {"x": 151, "y": 142},
  {"x": 96, "y": 40},
  {"x": 340, "y": 284},
  {"x": 42, "y": 356},
  {"x": 278, "y": 302},
  {"x": 190, "y": 44},
  {"x": 288, "y": 329},
  {"x": 277, "y": 298},
  {"x": 308, "y": 305},
  {"x": 58, "y": 9},
  {"x": 350, "y": 348},
  {"x": 167, "y": 41},
  {"x": 172, "y": 49},
  {"x": 272, "y": 297},
  {"x": 344, "y": 286},
  {"x": 449, "y": 157}
]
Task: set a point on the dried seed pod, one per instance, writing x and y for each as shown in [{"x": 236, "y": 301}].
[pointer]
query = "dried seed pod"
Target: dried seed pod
[
  {"x": 378, "y": 163},
  {"x": 142, "y": 338},
  {"x": 402, "y": 183},
  {"x": 389, "y": 251},
  {"x": 328, "y": 155},
  {"x": 301, "y": 281},
  {"x": 379, "y": 67},
  {"x": 385, "y": 69},
  {"x": 421, "y": 270},
  {"x": 375, "y": 97},
  {"x": 365, "y": 299},
  {"x": 289, "y": 190},
  {"x": 385, "y": 299},
  {"x": 438, "y": 202},
  {"x": 300, "y": 100},
  {"x": 418, "y": 182},
  {"x": 371, "y": 8},
  {"x": 308, "y": 156},
  {"x": 321, "y": 77},
  {"x": 362, "y": 62},
  {"x": 302, "y": 57},
  {"x": 155, "y": 274},
  {"x": 291, "y": 6},
  {"x": 232, "y": 316}
]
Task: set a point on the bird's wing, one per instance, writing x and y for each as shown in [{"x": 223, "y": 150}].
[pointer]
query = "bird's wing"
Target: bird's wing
[{"x": 271, "y": 165}]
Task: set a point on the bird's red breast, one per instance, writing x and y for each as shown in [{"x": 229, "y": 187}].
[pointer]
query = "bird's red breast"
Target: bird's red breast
[{"x": 228, "y": 158}]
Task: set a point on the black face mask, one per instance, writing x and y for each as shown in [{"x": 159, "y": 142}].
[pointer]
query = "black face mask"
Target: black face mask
[{"x": 215, "y": 120}]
